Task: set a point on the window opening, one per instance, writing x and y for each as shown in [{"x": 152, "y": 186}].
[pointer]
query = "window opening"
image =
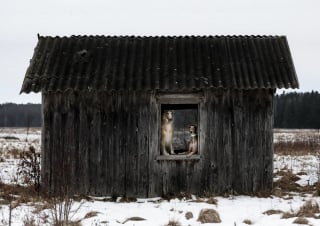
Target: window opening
[{"x": 179, "y": 129}]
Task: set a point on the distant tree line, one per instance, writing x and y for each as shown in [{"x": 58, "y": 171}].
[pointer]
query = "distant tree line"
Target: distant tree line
[
  {"x": 291, "y": 110},
  {"x": 297, "y": 110},
  {"x": 20, "y": 115}
]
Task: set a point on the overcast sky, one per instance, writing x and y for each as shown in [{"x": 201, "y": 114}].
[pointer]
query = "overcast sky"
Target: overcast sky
[{"x": 21, "y": 20}]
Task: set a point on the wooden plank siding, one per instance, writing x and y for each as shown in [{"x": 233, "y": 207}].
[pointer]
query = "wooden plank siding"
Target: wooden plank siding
[{"x": 102, "y": 143}]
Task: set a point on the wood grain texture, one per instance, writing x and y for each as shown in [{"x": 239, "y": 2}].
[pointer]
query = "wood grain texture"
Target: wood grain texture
[{"x": 102, "y": 143}]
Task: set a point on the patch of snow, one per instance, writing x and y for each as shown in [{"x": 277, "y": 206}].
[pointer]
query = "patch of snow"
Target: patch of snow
[
  {"x": 233, "y": 210},
  {"x": 308, "y": 164}
]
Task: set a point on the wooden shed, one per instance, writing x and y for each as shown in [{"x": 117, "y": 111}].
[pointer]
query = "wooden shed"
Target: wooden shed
[{"x": 103, "y": 98}]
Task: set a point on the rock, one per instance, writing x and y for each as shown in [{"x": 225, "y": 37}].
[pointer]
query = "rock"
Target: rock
[
  {"x": 188, "y": 215},
  {"x": 301, "y": 220},
  {"x": 209, "y": 216}
]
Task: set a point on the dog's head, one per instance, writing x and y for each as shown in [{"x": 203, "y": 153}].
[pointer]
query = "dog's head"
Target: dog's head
[
  {"x": 193, "y": 129},
  {"x": 168, "y": 115}
]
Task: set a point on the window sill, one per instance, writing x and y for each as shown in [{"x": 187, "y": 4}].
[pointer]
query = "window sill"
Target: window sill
[{"x": 177, "y": 157}]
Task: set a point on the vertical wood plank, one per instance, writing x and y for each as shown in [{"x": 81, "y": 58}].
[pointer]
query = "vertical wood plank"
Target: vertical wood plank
[{"x": 110, "y": 141}]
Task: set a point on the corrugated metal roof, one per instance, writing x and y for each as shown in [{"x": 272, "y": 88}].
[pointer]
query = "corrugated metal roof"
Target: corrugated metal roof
[{"x": 160, "y": 63}]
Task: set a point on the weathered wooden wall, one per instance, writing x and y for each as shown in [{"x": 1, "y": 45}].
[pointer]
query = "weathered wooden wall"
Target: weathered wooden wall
[
  {"x": 100, "y": 141},
  {"x": 108, "y": 144},
  {"x": 237, "y": 141}
]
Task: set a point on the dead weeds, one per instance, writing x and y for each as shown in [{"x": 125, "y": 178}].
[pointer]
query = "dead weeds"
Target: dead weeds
[
  {"x": 272, "y": 212},
  {"x": 173, "y": 223},
  {"x": 180, "y": 196},
  {"x": 301, "y": 220},
  {"x": 212, "y": 201},
  {"x": 21, "y": 194},
  {"x": 287, "y": 184},
  {"x": 15, "y": 153},
  {"x": 133, "y": 219},
  {"x": 287, "y": 215},
  {"x": 309, "y": 209},
  {"x": 247, "y": 221},
  {"x": 91, "y": 214},
  {"x": 128, "y": 199},
  {"x": 304, "y": 145},
  {"x": 188, "y": 215}
]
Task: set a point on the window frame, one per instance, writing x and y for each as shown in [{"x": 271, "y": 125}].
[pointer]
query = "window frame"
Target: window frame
[{"x": 176, "y": 99}]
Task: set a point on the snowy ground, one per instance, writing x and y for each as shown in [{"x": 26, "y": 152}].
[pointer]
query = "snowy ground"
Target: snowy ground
[
  {"x": 96, "y": 211},
  {"x": 296, "y": 134}
]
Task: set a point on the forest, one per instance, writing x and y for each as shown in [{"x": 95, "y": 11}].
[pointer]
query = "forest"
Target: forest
[
  {"x": 291, "y": 110},
  {"x": 297, "y": 110},
  {"x": 20, "y": 115}
]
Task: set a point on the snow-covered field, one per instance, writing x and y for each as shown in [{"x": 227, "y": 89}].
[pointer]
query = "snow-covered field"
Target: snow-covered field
[
  {"x": 233, "y": 210},
  {"x": 296, "y": 135}
]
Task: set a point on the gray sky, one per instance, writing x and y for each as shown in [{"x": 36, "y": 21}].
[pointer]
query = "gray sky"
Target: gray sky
[{"x": 21, "y": 20}]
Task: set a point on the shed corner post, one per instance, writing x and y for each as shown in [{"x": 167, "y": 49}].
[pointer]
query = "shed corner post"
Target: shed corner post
[{"x": 44, "y": 173}]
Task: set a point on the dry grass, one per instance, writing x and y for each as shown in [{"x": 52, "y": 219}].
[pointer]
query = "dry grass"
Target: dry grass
[
  {"x": 10, "y": 137},
  {"x": 317, "y": 189},
  {"x": 287, "y": 215},
  {"x": 212, "y": 201},
  {"x": 247, "y": 221},
  {"x": 133, "y": 219},
  {"x": 15, "y": 195},
  {"x": 180, "y": 196},
  {"x": 60, "y": 209},
  {"x": 293, "y": 148},
  {"x": 31, "y": 221},
  {"x": 309, "y": 209},
  {"x": 287, "y": 182},
  {"x": 29, "y": 167},
  {"x": 21, "y": 194},
  {"x": 79, "y": 198},
  {"x": 173, "y": 223},
  {"x": 91, "y": 214},
  {"x": 302, "y": 144},
  {"x": 209, "y": 200},
  {"x": 301, "y": 220},
  {"x": 70, "y": 223},
  {"x": 271, "y": 212},
  {"x": 188, "y": 215},
  {"x": 288, "y": 174},
  {"x": 128, "y": 199},
  {"x": 15, "y": 153},
  {"x": 40, "y": 206},
  {"x": 302, "y": 173}
]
